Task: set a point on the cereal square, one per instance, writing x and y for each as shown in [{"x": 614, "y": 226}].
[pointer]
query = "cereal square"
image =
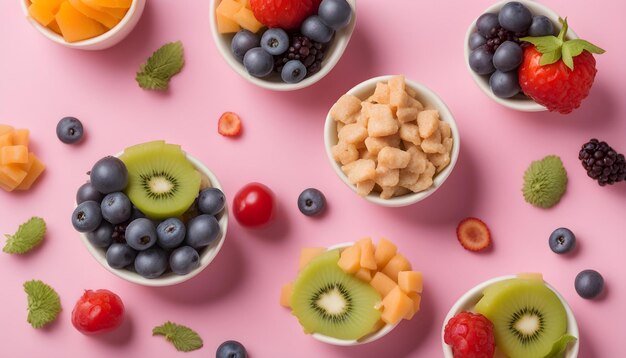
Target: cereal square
[
  {"x": 345, "y": 153},
  {"x": 345, "y": 107},
  {"x": 352, "y": 133},
  {"x": 428, "y": 122},
  {"x": 408, "y": 114},
  {"x": 433, "y": 143},
  {"x": 393, "y": 158},
  {"x": 366, "y": 154},
  {"x": 418, "y": 161},
  {"x": 362, "y": 169},
  {"x": 365, "y": 187},
  {"x": 387, "y": 192},
  {"x": 381, "y": 93},
  {"x": 387, "y": 177},
  {"x": 414, "y": 103},
  {"x": 446, "y": 131},
  {"x": 425, "y": 180},
  {"x": 381, "y": 122},
  {"x": 410, "y": 133},
  {"x": 439, "y": 160}
]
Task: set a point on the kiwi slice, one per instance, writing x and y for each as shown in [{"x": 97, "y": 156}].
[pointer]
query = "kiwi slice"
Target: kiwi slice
[
  {"x": 328, "y": 301},
  {"x": 162, "y": 183},
  {"x": 527, "y": 316}
]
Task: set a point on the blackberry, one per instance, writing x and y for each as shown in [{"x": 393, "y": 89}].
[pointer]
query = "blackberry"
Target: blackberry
[
  {"x": 499, "y": 35},
  {"x": 119, "y": 233},
  {"x": 302, "y": 48},
  {"x": 602, "y": 162}
]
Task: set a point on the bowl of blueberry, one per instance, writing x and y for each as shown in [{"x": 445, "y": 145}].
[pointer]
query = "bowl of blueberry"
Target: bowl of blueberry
[
  {"x": 152, "y": 215},
  {"x": 282, "y": 45}
]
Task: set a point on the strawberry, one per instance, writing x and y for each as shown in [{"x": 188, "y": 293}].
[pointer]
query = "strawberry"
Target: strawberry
[
  {"x": 558, "y": 74},
  {"x": 286, "y": 14},
  {"x": 473, "y": 234},
  {"x": 229, "y": 124}
]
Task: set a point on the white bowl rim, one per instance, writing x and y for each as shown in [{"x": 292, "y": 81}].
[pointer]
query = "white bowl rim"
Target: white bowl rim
[
  {"x": 339, "y": 45},
  {"x": 471, "y": 294},
  {"x": 520, "y": 104},
  {"x": 435, "y": 102},
  {"x": 169, "y": 278}
]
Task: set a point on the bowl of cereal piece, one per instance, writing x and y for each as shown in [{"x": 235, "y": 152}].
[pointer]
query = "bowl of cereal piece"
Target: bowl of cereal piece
[{"x": 391, "y": 140}]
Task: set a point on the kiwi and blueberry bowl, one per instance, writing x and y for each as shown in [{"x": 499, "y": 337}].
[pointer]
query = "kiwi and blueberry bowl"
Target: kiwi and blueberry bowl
[{"x": 152, "y": 215}]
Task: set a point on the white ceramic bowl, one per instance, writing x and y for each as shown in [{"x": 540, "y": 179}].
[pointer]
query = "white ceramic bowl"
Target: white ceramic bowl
[
  {"x": 519, "y": 102},
  {"x": 169, "y": 278},
  {"x": 430, "y": 100},
  {"x": 471, "y": 297},
  {"x": 106, "y": 40},
  {"x": 367, "y": 339},
  {"x": 274, "y": 82}
]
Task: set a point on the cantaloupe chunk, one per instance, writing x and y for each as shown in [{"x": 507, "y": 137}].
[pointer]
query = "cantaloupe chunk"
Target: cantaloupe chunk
[
  {"x": 228, "y": 8},
  {"x": 417, "y": 299},
  {"x": 383, "y": 284},
  {"x": 385, "y": 250},
  {"x": 116, "y": 13},
  {"x": 350, "y": 258},
  {"x": 378, "y": 326},
  {"x": 226, "y": 25},
  {"x": 396, "y": 305},
  {"x": 35, "y": 171},
  {"x": 13, "y": 154},
  {"x": 100, "y": 16},
  {"x": 6, "y": 139},
  {"x": 26, "y": 166},
  {"x": 363, "y": 274},
  {"x": 6, "y": 183},
  {"x": 12, "y": 175},
  {"x": 41, "y": 13},
  {"x": 367, "y": 254},
  {"x": 395, "y": 265},
  {"x": 307, "y": 254},
  {"x": 118, "y": 4},
  {"x": 76, "y": 26},
  {"x": 285, "y": 294},
  {"x": 5, "y": 128},
  {"x": 54, "y": 27},
  {"x": 21, "y": 137},
  {"x": 410, "y": 281},
  {"x": 245, "y": 18}
]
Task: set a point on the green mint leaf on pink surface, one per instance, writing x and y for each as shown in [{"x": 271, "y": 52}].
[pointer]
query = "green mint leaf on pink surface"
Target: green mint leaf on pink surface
[
  {"x": 164, "y": 63},
  {"x": 44, "y": 304},
  {"x": 183, "y": 338},
  {"x": 28, "y": 236}
]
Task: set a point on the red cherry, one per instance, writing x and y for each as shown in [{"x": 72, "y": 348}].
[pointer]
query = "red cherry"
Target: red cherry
[
  {"x": 254, "y": 205},
  {"x": 98, "y": 312}
]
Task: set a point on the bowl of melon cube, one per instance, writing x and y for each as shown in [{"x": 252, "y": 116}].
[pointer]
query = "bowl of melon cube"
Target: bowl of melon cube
[
  {"x": 391, "y": 140},
  {"x": 353, "y": 293},
  {"x": 84, "y": 24}
]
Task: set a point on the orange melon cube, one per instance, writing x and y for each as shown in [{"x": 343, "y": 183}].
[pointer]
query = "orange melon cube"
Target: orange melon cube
[
  {"x": 41, "y": 13},
  {"x": 410, "y": 281},
  {"x": 14, "y": 154},
  {"x": 226, "y": 25},
  {"x": 228, "y": 8},
  {"x": 395, "y": 265},
  {"x": 5, "y": 128},
  {"x": 285, "y": 294},
  {"x": 26, "y": 166},
  {"x": 100, "y": 16},
  {"x": 396, "y": 305},
  {"x": 385, "y": 250},
  {"x": 12, "y": 175},
  {"x": 383, "y": 284},
  {"x": 6, "y": 139},
  {"x": 307, "y": 254},
  {"x": 21, "y": 137},
  {"x": 116, "y": 13},
  {"x": 75, "y": 26},
  {"x": 367, "y": 254},
  {"x": 417, "y": 299},
  {"x": 117, "y": 4},
  {"x": 6, "y": 182},
  {"x": 245, "y": 3},
  {"x": 245, "y": 18},
  {"x": 35, "y": 171},
  {"x": 350, "y": 258},
  {"x": 363, "y": 274},
  {"x": 54, "y": 27}
]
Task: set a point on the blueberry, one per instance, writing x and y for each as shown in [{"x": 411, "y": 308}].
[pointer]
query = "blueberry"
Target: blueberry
[
  {"x": 202, "y": 231},
  {"x": 184, "y": 259},
  {"x": 589, "y": 284},
  {"x": 258, "y": 62},
  {"x": 151, "y": 263},
  {"x": 136, "y": 214},
  {"x": 504, "y": 84},
  {"x": 481, "y": 61},
  {"x": 562, "y": 240},
  {"x": 294, "y": 71},
  {"x": 515, "y": 17},
  {"x": 231, "y": 349},
  {"x": 243, "y": 41},
  {"x": 102, "y": 236},
  {"x": 336, "y": 14},
  {"x": 275, "y": 41},
  {"x": 109, "y": 175},
  {"x": 87, "y": 192},
  {"x": 69, "y": 130},
  {"x": 476, "y": 40},
  {"x": 141, "y": 234},
  {"x": 508, "y": 56},
  {"x": 87, "y": 216},
  {"x": 211, "y": 201},
  {"x": 541, "y": 26},
  {"x": 170, "y": 233},
  {"x": 311, "y": 202},
  {"x": 120, "y": 255},
  {"x": 116, "y": 208},
  {"x": 486, "y": 22},
  {"x": 315, "y": 29}
]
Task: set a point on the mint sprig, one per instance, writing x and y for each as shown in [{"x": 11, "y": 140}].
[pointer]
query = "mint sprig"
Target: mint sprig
[
  {"x": 44, "y": 304},
  {"x": 164, "y": 63},
  {"x": 554, "y": 48},
  {"x": 183, "y": 338},
  {"x": 28, "y": 236}
]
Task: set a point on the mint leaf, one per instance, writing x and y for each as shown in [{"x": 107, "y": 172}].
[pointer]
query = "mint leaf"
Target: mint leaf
[
  {"x": 28, "y": 236},
  {"x": 164, "y": 63},
  {"x": 183, "y": 338},
  {"x": 44, "y": 304},
  {"x": 559, "y": 347}
]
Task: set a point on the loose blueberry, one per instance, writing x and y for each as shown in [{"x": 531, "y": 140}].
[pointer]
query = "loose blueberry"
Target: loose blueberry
[
  {"x": 69, "y": 130},
  {"x": 486, "y": 23},
  {"x": 116, "y": 208},
  {"x": 294, "y": 71},
  {"x": 504, "y": 84},
  {"x": 109, "y": 175},
  {"x": 184, "y": 259},
  {"x": 102, "y": 236},
  {"x": 87, "y": 192},
  {"x": 336, "y": 14},
  {"x": 315, "y": 29},
  {"x": 589, "y": 284},
  {"x": 476, "y": 40},
  {"x": 151, "y": 263},
  {"x": 481, "y": 61},
  {"x": 562, "y": 240},
  {"x": 541, "y": 26},
  {"x": 120, "y": 255},
  {"x": 202, "y": 231},
  {"x": 231, "y": 349},
  {"x": 258, "y": 62},
  {"x": 87, "y": 216},
  {"x": 275, "y": 41},
  {"x": 515, "y": 17},
  {"x": 170, "y": 233},
  {"x": 211, "y": 201},
  {"x": 508, "y": 56},
  {"x": 243, "y": 41},
  {"x": 311, "y": 202},
  {"x": 141, "y": 234}
]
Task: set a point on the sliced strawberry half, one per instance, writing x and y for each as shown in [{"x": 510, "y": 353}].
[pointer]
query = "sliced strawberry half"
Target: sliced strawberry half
[
  {"x": 229, "y": 124},
  {"x": 473, "y": 234}
]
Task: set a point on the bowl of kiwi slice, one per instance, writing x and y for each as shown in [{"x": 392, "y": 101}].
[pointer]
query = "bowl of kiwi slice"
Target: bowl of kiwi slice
[
  {"x": 529, "y": 317},
  {"x": 153, "y": 214}
]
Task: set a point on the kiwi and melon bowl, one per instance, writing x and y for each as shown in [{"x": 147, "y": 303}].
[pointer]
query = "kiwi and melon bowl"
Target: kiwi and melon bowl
[
  {"x": 528, "y": 314},
  {"x": 161, "y": 172}
]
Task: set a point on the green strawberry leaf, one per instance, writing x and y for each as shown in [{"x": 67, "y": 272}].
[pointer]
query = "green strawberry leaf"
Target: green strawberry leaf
[
  {"x": 44, "y": 304},
  {"x": 28, "y": 236},
  {"x": 164, "y": 63},
  {"x": 544, "y": 43},
  {"x": 549, "y": 58},
  {"x": 559, "y": 347},
  {"x": 183, "y": 338}
]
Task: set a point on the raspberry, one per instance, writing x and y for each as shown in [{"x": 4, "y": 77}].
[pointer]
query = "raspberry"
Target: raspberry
[
  {"x": 470, "y": 335},
  {"x": 286, "y": 14}
]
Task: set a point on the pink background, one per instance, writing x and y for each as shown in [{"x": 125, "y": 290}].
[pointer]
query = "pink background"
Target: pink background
[{"x": 282, "y": 146}]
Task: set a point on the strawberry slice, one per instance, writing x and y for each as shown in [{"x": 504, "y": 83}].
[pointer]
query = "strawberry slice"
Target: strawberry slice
[
  {"x": 473, "y": 234},
  {"x": 229, "y": 125}
]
